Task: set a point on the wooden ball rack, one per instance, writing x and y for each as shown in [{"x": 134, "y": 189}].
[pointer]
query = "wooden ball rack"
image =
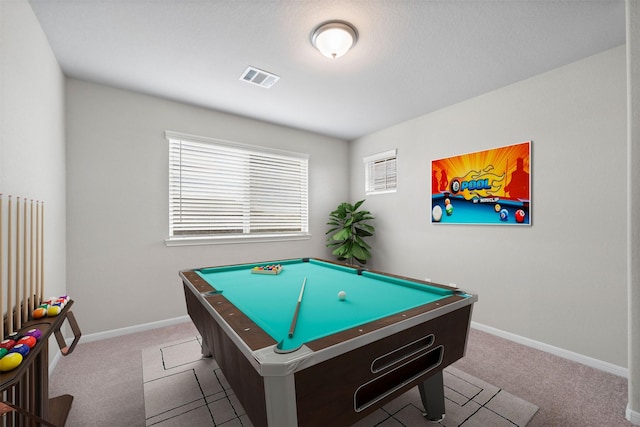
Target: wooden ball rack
[{"x": 24, "y": 390}]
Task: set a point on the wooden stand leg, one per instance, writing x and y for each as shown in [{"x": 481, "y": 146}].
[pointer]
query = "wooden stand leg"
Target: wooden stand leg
[{"x": 6, "y": 408}]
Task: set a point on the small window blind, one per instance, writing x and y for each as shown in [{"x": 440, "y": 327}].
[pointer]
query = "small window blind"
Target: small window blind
[
  {"x": 381, "y": 172},
  {"x": 219, "y": 188}
]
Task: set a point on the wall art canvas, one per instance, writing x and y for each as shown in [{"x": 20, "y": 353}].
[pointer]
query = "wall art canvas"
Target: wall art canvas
[{"x": 486, "y": 187}]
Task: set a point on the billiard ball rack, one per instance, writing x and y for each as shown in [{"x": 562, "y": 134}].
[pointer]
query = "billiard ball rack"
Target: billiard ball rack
[
  {"x": 26, "y": 388},
  {"x": 267, "y": 269}
]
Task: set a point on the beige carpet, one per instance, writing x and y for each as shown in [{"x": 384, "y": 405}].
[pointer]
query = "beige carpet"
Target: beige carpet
[{"x": 183, "y": 389}]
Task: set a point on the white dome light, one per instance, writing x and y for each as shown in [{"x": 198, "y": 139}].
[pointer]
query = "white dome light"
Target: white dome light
[{"x": 334, "y": 38}]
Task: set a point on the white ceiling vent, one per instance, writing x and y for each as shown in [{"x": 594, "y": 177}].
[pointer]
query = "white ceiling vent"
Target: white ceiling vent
[{"x": 259, "y": 77}]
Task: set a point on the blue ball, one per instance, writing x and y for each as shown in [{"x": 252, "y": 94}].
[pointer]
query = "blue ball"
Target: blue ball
[
  {"x": 504, "y": 215},
  {"x": 20, "y": 348}
]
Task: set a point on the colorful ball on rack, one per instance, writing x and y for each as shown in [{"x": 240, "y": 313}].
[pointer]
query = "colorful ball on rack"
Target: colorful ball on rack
[
  {"x": 3, "y": 352},
  {"x": 27, "y": 340},
  {"x": 10, "y": 361},
  {"x": 8, "y": 344},
  {"x": 53, "y": 310},
  {"x": 36, "y": 333},
  {"x": 39, "y": 313},
  {"x": 23, "y": 349}
]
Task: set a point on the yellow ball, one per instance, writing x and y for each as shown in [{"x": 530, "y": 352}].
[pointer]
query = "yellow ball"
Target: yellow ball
[
  {"x": 53, "y": 310},
  {"x": 10, "y": 361},
  {"x": 497, "y": 207}
]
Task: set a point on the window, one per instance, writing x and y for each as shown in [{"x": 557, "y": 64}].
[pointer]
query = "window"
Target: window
[
  {"x": 381, "y": 173},
  {"x": 221, "y": 191}
]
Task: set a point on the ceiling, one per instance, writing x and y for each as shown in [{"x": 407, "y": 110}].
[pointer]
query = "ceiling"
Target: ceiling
[{"x": 412, "y": 56}]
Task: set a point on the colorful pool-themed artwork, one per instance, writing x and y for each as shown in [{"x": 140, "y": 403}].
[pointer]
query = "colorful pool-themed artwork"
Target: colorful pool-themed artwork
[{"x": 485, "y": 187}]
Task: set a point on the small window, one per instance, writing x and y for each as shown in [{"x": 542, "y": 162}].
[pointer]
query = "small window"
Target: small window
[
  {"x": 220, "y": 189},
  {"x": 381, "y": 173}
]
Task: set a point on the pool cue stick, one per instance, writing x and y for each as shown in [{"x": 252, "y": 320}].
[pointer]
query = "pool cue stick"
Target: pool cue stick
[
  {"x": 38, "y": 294},
  {"x": 9, "y": 263},
  {"x": 1, "y": 273},
  {"x": 16, "y": 307},
  {"x": 42, "y": 250},
  {"x": 295, "y": 315},
  {"x": 32, "y": 293},
  {"x": 25, "y": 289}
]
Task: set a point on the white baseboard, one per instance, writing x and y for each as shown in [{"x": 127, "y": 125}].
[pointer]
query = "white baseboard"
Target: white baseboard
[
  {"x": 566, "y": 354},
  {"x": 133, "y": 329},
  {"x": 119, "y": 332},
  {"x": 633, "y": 416}
]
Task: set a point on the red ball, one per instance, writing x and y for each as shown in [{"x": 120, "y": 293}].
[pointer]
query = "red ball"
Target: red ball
[
  {"x": 520, "y": 215},
  {"x": 28, "y": 341},
  {"x": 8, "y": 344}
]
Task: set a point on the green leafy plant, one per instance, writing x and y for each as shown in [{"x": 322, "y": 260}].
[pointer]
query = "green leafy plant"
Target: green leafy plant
[{"x": 348, "y": 227}]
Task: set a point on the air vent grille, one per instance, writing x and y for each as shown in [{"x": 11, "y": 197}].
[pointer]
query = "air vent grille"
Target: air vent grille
[{"x": 259, "y": 77}]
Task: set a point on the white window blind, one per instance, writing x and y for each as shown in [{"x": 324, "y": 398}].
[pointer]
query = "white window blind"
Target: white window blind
[
  {"x": 219, "y": 188},
  {"x": 381, "y": 172}
]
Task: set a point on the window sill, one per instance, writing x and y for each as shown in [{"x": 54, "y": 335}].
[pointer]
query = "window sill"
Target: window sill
[
  {"x": 371, "y": 192},
  {"x": 225, "y": 240}
]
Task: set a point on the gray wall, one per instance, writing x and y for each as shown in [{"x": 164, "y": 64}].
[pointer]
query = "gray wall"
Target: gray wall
[
  {"x": 561, "y": 281},
  {"x": 120, "y": 272},
  {"x": 32, "y": 143}
]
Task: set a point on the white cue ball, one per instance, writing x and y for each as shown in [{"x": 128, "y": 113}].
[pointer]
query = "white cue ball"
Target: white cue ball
[
  {"x": 342, "y": 295},
  {"x": 437, "y": 213}
]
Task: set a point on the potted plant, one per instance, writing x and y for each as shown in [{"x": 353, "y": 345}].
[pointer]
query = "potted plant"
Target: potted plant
[{"x": 349, "y": 226}]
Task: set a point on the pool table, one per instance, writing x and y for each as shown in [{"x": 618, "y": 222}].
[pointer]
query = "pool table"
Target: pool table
[{"x": 345, "y": 357}]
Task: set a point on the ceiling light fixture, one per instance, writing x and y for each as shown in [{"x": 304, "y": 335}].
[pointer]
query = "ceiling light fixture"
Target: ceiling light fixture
[{"x": 334, "y": 38}]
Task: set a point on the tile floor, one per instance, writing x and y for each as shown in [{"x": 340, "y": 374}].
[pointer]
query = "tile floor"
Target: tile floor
[{"x": 182, "y": 388}]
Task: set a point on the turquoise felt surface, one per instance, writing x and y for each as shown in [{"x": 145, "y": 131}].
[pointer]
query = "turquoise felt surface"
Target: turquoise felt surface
[{"x": 270, "y": 300}]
